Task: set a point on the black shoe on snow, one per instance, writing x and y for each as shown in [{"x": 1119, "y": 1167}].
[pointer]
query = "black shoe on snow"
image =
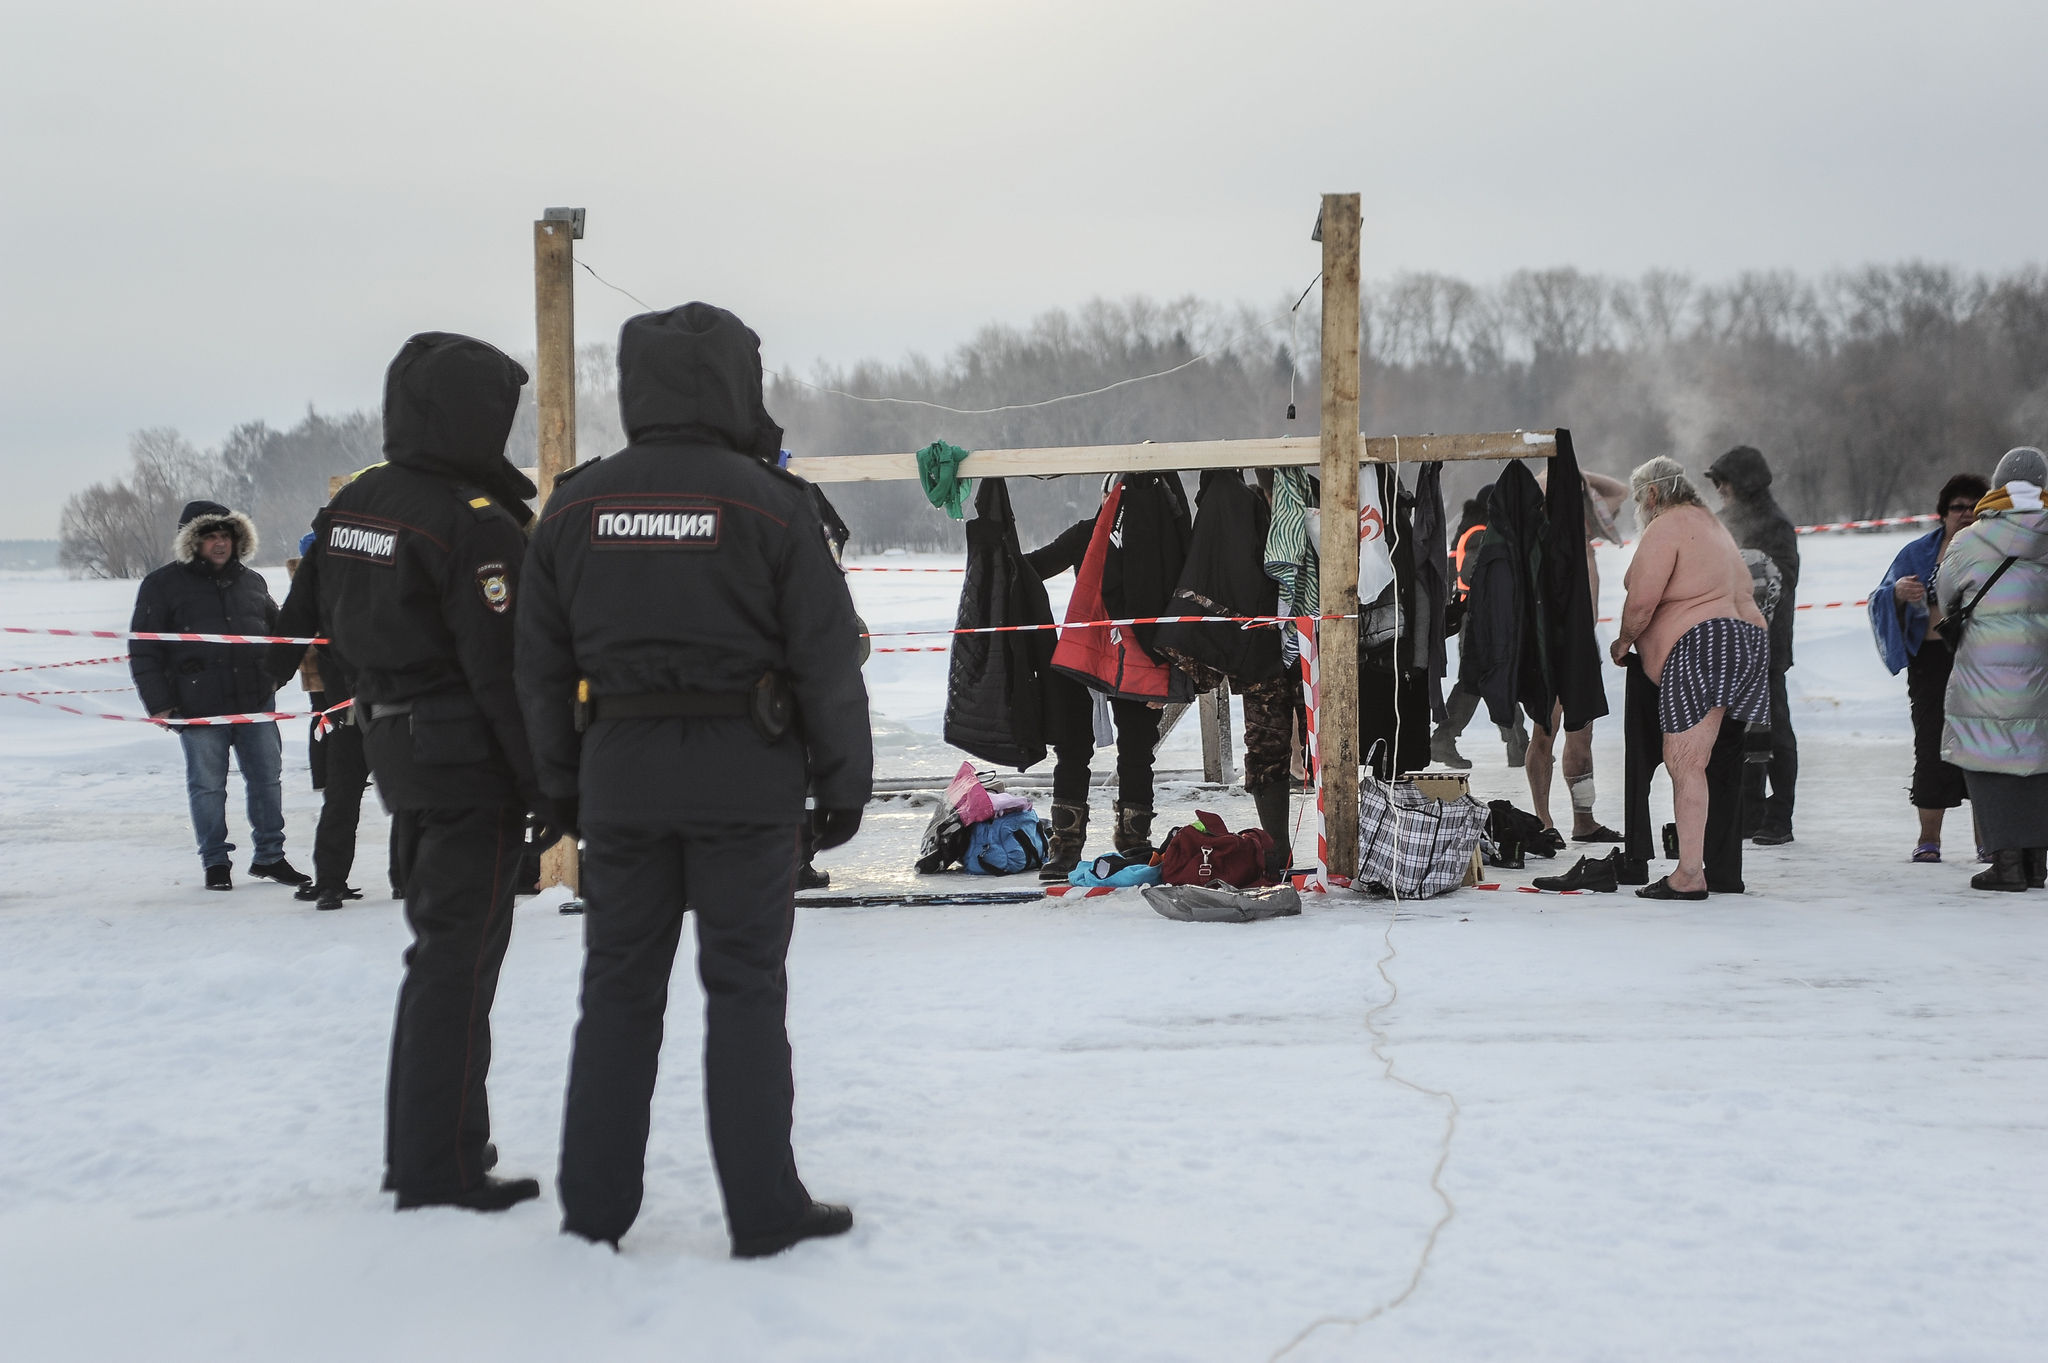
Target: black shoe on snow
[
  {"x": 1443, "y": 752},
  {"x": 281, "y": 871},
  {"x": 2008, "y": 871},
  {"x": 824, "y": 1218},
  {"x": 313, "y": 890},
  {"x": 1772, "y": 837},
  {"x": 1591, "y": 873},
  {"x": 2037, "y": 868},
  {"x": 809, "y": 877},
  {"x": 219, "y": 878},
  {"x": 1548, "y": 843},
  {"x": 489, "y": 1162},
  {"x": 494, "y": 1194},
  {"x": 1600, "y": 833}
]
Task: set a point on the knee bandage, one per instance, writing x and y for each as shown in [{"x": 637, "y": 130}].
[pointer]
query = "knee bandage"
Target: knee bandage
[{"x": 1582, "y": 793}]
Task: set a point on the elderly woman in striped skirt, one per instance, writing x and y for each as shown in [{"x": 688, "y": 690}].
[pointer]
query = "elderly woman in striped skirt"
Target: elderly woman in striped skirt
[{"x": 1692, "y": 616}]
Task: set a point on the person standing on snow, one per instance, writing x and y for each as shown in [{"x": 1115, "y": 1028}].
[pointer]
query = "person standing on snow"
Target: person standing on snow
[
  {"x": 689, "y": 664},
  {"x": 1753, "y": 517},
  {"x": 209, "y": 588},
  {"x": 417, "y": 561}
]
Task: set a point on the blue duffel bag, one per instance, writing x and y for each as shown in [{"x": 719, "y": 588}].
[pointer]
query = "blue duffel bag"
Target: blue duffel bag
[{"x": 1006, "y": 844}]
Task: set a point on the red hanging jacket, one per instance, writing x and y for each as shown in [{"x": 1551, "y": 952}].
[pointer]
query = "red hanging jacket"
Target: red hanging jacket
[{"x": 1107, "y": 658}]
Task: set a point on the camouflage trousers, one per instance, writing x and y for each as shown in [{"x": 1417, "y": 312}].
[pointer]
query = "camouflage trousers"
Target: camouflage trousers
[{"x": 1269, "y": 710}]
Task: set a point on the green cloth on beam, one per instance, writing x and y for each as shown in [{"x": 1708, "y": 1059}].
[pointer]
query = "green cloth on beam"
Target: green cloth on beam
[{"x": 938, "y": 469}]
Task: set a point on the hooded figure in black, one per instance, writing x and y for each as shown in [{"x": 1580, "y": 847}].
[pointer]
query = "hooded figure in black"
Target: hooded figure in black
[
  {"x": 689, "y": 661},
  {"x": 417, "y": 562},
  {"x": 1754, "y": 518}
]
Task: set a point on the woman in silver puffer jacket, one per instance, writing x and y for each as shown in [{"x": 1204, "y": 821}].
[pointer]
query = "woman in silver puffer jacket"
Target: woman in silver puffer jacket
[{"x": 1997, "y": 726}]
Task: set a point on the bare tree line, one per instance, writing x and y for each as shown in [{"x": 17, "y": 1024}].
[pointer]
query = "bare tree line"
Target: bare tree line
[{"x": 1865, "y": 389}]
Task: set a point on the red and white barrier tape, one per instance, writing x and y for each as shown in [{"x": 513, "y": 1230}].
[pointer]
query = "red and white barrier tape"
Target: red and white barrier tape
[
  {"x": 164, "y": 638},
  {"x": 857, "y": 569},
  {"x": 259, "y": 717},
  {"x": 82, "y": 662},
  {"x": 1803, "y": 606},
  {"x": 86, "y": 691},
  {"x": 916, "y": 648},
  {"x": 1864, "y": 525},
  {"x": 1274, "y": 620}
]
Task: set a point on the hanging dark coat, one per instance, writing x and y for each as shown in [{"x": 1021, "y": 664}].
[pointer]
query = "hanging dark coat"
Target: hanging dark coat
[
  {"x": 995, "y": 698},
  {"x": 1503, "y": 626},
  {"x": 1225, "y": 575},
  {"x": 1393, "y": 691},
  {"x": 1433, "y": 581},
  {"x": 1577, "y": 676},
  {"x": 1133, "y": 563}
]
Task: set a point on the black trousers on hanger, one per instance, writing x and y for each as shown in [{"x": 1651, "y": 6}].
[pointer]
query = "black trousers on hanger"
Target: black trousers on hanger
[{"x": 1645, "y": 738}]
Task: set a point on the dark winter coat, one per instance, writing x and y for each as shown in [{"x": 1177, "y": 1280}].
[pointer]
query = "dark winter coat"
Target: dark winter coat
[
  {"x": 1577, "y": 673},
  {"x": 1068, "y": 706},
  {"x": 1503, "y": 634},
  {"x": 299, "y": 617},
  {"x": 417, "y": 562},
  {"x": 1225, "y": 575},
  {"x": 1432, "y": 580},
  {"x": 1133, "y": 563},
  {"x": 1754, "y": 518},
  {"x": 995, "y": 701},
  {"x": 687, "y": 562},
  {"x": 186, "y": 596}
]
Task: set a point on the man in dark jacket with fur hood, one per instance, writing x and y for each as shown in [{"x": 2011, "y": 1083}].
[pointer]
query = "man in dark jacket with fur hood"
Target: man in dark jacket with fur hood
[
  {"x": 209, "y": 588},
  {"x": 1753, "y": 517},
  {"x": 689, "y": 663},
  {"x": 418, "y": 561}
]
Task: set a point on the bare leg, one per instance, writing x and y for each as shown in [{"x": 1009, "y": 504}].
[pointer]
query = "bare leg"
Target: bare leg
[
  {"x": 1930, "y": 825},
  {"x": 1539, "y": 764},
  {"x": 1578, "y": 762},
  {"x": 1685, "y": 757}
]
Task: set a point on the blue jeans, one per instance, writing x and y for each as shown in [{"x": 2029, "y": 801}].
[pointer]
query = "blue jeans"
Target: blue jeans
[{"x": 260, "y": 753}]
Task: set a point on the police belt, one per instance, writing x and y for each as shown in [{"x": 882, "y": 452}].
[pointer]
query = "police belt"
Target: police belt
[{"x": 768, "y": 704}]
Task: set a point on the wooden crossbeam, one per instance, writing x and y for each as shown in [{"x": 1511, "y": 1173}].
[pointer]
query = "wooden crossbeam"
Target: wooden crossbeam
[{"x": 1173, "y": 456}]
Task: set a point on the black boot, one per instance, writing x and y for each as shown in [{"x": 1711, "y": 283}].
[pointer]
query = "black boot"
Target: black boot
[
  {"x": 1133, "y": 828},
  {"x": 494, "y": 1194},
  {"x": 219, "y": 878},
  {"x": 1591, "y": 873},
  {"x": 824, "y": 1218},
  {"x": 281, "y": 871},
  {"x": 2008, "y": 871},
  {"x": 1275, "y": 817},
  {"x": 2037, "y": 868},
  {"x": 1069, "y": 836},
  {"x": 809, "y": 877}
]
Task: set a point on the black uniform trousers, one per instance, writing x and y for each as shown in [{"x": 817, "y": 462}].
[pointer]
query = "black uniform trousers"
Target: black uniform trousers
[
  {"x": 341, "y": 774},
  {"x": 638, "y": 882},
  {"x": 1137, "y": 735},
  {"x": 1774, "y": 812},
  {"x": 1644, "y": 734},
  {"x": 461, "y": 866}
]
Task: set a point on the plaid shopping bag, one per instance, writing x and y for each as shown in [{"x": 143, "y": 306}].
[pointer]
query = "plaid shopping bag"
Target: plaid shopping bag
[{"x": 1409, "y": 844}]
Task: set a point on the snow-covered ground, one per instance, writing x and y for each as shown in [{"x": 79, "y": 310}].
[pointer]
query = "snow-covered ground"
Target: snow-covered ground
[{"x": 1805, "y": 1123}]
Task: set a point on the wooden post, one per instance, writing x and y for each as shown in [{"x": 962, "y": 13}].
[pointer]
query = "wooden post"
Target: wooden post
[
  {"x": 1219, "y": 765},
  {"x": 1337, "y": 720},
  {"x": 554, "y": 300}
]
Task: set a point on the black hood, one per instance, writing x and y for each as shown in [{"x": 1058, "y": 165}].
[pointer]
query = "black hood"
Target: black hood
[
  {"x": 693, "y": 374},
  {"x": 1743, "y": 469},
  {"x": 449, "y": 401}
]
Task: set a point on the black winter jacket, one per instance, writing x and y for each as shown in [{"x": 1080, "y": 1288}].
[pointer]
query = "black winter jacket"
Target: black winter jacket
[
  {"x": 1503, "y": 629},
  {"x": 995, "y": 683},
  {"x": 187, "y": 596},
  {"x": 1225, "y": 574},
  {"x": 1577, "y": 676},
  {"x": 1754, "y": 518},
  {"x": 417, "y": 562},
  {"x": 688, "y": 563},
  {"x": 299, "y": 617}
]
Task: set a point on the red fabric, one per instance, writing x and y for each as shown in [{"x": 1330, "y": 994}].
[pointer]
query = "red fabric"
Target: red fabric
[
  {"x": 1211, "y": 852},
  {"x": 1105, "y": 657}
]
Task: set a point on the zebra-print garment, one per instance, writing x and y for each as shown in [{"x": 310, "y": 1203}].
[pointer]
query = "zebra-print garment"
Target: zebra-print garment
[{"x": 1723, "y": 661}]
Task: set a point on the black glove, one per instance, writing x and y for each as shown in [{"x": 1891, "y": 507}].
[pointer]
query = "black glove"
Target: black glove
[
  {"x": 558, "y": 820},
  {"x": 831, "y": 827}
]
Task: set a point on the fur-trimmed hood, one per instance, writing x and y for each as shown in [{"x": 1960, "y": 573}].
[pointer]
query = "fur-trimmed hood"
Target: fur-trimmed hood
[{"x": 201, "y": 518}]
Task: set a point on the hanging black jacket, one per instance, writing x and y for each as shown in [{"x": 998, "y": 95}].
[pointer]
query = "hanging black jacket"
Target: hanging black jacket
[
  {"x": 1432, "y": 580},
  {"x": 995, "y": 701},
  {"x": 1577, "y": 673},
  {"x": 1130, "y": 569},
  {"x": 187, "y": 596},
  {"x": 1755, "y": 519},
  {"x": 1502, "y": 637},
  {"x": 688, "y": 562},
  {"x": 1225, "y": 574},
  {"x": 417, "y": 561}
]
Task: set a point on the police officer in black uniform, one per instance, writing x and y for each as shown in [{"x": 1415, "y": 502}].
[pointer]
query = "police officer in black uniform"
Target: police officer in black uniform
[
  {"x": 688, "y": 659},
  {"x": 418, "y": 561}
]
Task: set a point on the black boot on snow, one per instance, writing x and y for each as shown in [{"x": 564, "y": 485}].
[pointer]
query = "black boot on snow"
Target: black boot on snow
[
  {"x": 494, "y": 1194},
  {"x": 824, "y": 1218},
  {"x": 2008, "y": 871},
  {"x": 2037, "y": 868},
  {"x": 809, "y": 877},
  {"x": 281, "y": 871},
  {"x": 1590, "y": 873},
  {"x": 1274, "y": 816},
  {"x": 1443, "y": 752},
  {"x": 1069, "y": 836},
  {"x": 219, "y": 878},
  {"x": 489, "y": 1161},
  {"x": 1133, "y": 828}
]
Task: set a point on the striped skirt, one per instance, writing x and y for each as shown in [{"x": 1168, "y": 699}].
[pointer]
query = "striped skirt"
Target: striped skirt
[{"x": 1723, "y": 661}]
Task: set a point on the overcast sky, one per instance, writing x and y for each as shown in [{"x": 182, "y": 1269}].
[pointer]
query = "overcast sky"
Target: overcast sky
[{"x": 219, "y": 212}]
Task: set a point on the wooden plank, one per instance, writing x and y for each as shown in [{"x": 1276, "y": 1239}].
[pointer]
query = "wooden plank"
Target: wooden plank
[
  {"x": 1337, "y": 640},
  {"x": 554, "y": 392},
  {"x": 1290, "y": 452}
]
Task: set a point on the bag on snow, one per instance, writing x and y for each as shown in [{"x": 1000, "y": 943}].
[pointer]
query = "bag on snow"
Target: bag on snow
[
  {"x": 1206, "y": 851},
  {"x": 1410, "y": 845},
  {"x": 1006, "y": 844},
  {"x": 947, "y": 836},
  {"x": 1197, "y": 904}
]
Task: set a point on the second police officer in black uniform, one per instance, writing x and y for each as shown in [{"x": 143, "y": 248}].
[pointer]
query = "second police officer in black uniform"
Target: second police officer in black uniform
[
  {"x": 688, "y": 661},
  {"x": 418, "y": 561}
]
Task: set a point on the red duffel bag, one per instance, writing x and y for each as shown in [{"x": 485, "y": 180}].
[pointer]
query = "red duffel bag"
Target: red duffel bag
[{"x": 1206, "y": 851}]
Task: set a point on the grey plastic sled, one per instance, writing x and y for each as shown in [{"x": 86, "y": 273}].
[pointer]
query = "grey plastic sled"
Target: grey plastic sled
[{"x": 1196, "y": 904}]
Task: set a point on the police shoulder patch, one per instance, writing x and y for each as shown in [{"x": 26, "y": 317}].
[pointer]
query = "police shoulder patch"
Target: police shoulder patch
[
  {"x": 368, "y": 538},
  {"x": 652, "y": 521},
  {"x": 495, "y": 583}
]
